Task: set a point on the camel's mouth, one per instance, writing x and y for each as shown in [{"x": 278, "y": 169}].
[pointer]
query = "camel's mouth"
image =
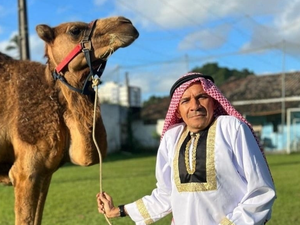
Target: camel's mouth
[
  {"x": 105, "y": 54},
  {"x": 127, "y": 40}
]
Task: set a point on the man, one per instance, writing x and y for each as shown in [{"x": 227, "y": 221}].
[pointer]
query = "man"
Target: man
[{"x": 210, "y": 168}]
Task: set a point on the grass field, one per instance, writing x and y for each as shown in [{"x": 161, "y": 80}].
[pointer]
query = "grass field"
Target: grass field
[{"x": 71, "y": 199}]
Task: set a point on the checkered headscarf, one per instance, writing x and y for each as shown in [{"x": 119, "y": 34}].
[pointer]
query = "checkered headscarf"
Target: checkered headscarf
[{"x": 224, "y": 107}]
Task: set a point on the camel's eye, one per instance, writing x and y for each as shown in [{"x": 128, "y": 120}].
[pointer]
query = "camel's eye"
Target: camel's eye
[{"x": 75, "y": 31}]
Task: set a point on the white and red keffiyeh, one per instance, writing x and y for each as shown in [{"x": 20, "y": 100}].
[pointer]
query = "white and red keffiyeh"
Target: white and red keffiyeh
[{"x": 224, "y": 107}]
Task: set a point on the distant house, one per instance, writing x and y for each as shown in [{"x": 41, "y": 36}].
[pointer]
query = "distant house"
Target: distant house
[{"x": 264, "y": 96}]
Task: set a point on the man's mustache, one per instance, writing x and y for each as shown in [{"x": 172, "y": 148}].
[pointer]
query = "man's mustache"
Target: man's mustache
[{"x": 198, "y": 112}]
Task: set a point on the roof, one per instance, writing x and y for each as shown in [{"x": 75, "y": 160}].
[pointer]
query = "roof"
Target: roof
[
  {"x": 152, "y": 113},
  {"x": 263, "y": 95}
]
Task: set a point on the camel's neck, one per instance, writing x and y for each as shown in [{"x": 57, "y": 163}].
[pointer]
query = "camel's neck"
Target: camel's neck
[{"x": 78, "y": 116}]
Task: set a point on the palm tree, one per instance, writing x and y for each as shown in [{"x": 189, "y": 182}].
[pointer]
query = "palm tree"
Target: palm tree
[{"x": 14, "y": 45}]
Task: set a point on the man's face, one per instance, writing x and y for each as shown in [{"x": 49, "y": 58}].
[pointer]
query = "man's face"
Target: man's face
[{"x": 196, "y": 108}]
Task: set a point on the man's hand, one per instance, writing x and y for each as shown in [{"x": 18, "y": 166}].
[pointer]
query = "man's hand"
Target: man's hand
[{"x": 106, "y": 205}]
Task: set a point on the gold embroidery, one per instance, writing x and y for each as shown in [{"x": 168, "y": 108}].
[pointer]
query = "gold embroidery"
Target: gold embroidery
[
  {"x": 211, "y": 183},
  {"x": 226, "y": 221},
  {"x": 143, "y": 211},
  {"x": 193, "y": 141}
]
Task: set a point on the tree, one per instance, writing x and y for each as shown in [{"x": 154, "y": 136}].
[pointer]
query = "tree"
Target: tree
[
  {"x": 14, "y": 44},
  {"x": 221, "y": 74},
  {"x": 152, "y": 100}
]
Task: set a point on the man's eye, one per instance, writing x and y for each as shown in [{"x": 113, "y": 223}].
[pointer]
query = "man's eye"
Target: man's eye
[{"x": 203, "y": 96}]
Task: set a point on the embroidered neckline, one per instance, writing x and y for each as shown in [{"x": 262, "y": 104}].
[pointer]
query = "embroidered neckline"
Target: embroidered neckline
[
  {"x": 211, "y": 183},
  {"x": 191, "y": 146}
]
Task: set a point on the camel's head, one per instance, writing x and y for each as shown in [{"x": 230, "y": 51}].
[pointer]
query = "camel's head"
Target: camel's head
[{"x": 106, "y": 36}]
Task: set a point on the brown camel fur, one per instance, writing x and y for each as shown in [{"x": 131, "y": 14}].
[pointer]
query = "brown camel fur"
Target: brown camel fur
[{"x": 43, "y": 123}]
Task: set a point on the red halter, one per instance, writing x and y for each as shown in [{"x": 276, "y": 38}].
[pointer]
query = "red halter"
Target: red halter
[{"x": 85, "y": 46}]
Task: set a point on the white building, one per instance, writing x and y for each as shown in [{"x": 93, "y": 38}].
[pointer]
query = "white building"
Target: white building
[{"x": 124, "y": 95}]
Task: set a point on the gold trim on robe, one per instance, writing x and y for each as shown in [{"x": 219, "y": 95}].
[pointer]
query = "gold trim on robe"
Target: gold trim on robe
[
  {"x": 211, "y": 183},
  {"x": 144, "y": 212},
  {"x": 226, "y": 221}
]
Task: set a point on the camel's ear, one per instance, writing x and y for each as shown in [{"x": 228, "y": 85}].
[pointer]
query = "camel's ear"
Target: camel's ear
[{"x": 45, "y": 32}]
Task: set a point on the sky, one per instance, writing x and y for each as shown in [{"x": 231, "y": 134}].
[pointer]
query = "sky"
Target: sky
[{"x": 175, "y": 36}]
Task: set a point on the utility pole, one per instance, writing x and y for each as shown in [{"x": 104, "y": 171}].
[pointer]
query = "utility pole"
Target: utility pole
[
  {"x": 23, "y": 31},
  {"x": 127, "y": 89},
  {"x": 283, "y": 92}
]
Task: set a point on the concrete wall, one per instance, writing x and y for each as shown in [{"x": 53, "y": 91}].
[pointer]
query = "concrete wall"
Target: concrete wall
[
  {"x": 115, "y": 122},
  {"x": 146, "y": 135},
  {"x": 111, "y": 115}
]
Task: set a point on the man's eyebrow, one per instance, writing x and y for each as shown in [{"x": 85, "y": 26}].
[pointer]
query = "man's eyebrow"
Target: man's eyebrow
[
  {"x": 197, "y": 95},
  {"x": 202, "y": 93},
  {"x": 184, "y": 98}
]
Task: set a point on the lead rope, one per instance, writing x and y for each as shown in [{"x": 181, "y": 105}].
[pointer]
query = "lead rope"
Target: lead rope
[{"x": 95, "y": 83}]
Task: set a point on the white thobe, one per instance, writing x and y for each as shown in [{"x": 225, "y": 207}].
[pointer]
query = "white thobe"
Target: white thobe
[{"x": 239, "y": 188}]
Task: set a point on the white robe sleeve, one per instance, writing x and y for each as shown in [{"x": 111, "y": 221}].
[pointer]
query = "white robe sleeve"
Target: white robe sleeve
[
  {"x": 255, "y": 206},
  {"x": 153, "y": 207}
]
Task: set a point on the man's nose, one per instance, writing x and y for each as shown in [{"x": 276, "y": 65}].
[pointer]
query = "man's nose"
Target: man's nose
[{"x": 195, "y": 104}]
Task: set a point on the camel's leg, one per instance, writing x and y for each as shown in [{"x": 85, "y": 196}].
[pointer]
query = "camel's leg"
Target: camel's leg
[
  {"x": 31, "y": 180},
  {"x": 42, "y": 199},
  {"x": 26, "y": 189}
]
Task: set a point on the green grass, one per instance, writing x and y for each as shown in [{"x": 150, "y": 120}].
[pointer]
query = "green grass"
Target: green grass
[{"x": 71, "y": 199}]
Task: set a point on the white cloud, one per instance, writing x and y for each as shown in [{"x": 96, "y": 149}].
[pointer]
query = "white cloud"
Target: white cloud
[
  {"x": 206, "y": 38},
  {"x": 288, "y": 23},
  {"x": 185, "y": 13},
  {"x": 283, "y": 32},
  {"x": 268, "y": 21},
  {"x": 37, "y": 48}
]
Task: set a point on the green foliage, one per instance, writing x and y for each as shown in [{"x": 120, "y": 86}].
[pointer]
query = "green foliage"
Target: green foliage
[
  {"x": 152, "y": 100},
  {"x": 221, "y": 74},
  {"x": 14, "y": 44},
  {"x": 127, "y": 177}
]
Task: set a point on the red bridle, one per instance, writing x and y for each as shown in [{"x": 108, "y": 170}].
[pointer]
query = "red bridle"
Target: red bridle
[{"x": 84, "y": 46}]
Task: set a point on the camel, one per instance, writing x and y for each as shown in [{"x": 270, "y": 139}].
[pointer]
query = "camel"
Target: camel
[{"x": 46, "y": 111}]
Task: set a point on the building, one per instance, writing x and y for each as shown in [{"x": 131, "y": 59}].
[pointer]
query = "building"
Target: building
[
  {"x": 120, "y": 105},
  {"x": 124, "y": 95}
]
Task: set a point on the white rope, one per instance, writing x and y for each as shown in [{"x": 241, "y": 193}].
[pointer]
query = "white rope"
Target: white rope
[{"x": 96, "y": 82}]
